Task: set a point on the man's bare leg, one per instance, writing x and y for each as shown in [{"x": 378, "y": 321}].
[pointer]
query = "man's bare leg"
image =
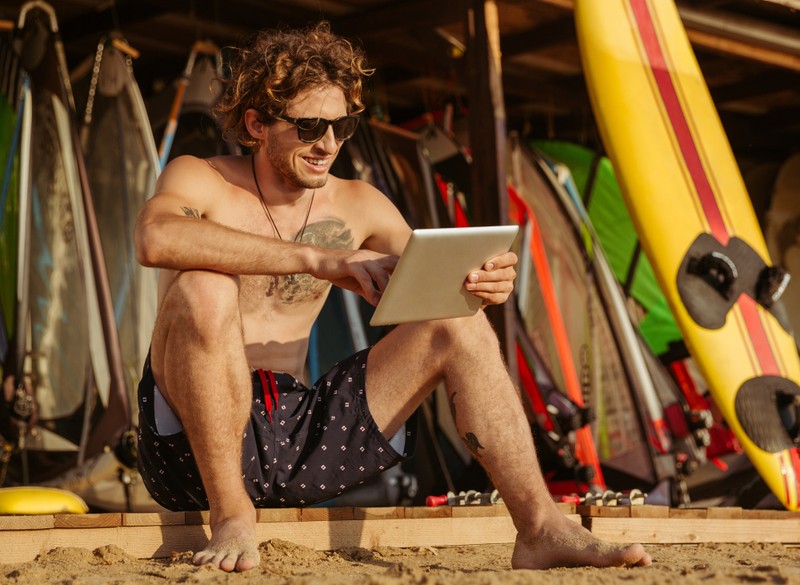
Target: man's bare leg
[
  {"x": 198, "y": 361},
  {"x": 490, "y": 419}
]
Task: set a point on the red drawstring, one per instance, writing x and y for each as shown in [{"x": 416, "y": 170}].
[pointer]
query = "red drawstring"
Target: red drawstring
[{"x": 272, "y": 386}]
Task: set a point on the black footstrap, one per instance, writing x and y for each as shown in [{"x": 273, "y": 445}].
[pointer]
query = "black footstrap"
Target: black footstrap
[
  {"x": 712, "y": 276},
  {"x": 767, "y": 408},
  {"x": 771, "y": 285},
  {"x": 716, "y": 269}
]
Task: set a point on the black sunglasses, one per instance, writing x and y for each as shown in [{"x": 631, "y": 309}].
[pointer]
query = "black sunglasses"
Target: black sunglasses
[{"x": 311, "y": 130}]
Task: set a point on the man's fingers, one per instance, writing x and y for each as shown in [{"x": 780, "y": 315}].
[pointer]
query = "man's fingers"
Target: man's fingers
[
  {"x": 479, "y": 279},
  {"x": 372, "y": 278},
  {"x": 484, "y": 288},
  {"x": 505, "y": 260},
  {"x": 380, "y": 274}
]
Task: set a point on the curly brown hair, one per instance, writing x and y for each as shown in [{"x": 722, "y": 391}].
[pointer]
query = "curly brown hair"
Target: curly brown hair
[{"x": 275, "y": 65}]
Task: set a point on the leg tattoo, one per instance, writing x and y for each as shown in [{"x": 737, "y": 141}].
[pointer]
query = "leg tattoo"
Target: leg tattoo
[{"x": 469, "y": 438}]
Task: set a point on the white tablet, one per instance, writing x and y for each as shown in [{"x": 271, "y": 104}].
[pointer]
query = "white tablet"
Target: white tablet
[{"x": 428, "y": 281}]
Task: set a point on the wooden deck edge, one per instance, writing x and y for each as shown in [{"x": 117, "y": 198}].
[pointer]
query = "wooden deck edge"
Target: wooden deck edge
[
  {"x": 159, "y": 535},
  {"x": 159, "y": 541},
  {"x": 693, "y": 530}
]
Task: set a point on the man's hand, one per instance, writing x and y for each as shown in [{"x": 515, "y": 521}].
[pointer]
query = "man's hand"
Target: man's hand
[
  {"x": 362, "y": 271},
  {"x": 495, "y": 282}
]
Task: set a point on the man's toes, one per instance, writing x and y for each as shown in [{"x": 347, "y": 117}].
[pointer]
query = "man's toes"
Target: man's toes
[
  {"x": 645, "y": 560},
  {"x": 228, "y": 562},
  {"x": 202, "y": 558},
  {"x": 248, "y": 560}
]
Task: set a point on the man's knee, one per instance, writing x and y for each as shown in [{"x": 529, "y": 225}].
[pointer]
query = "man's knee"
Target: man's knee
[
  {"x": 202, "y": 300},
  {"x": 462, "y": 334}
]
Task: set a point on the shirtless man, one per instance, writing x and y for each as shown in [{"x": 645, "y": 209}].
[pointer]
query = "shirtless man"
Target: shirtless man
[{"x": 248, "y": 248}]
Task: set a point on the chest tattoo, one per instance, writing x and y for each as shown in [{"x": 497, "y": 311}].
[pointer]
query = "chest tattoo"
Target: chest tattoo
[{"x": 328, "y": 233}]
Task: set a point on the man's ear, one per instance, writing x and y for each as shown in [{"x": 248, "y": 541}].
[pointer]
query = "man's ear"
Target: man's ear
[{"x": 255, "y": 124}]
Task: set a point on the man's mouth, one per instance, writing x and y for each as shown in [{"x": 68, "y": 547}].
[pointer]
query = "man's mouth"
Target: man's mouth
[{"x": 316, "y": 162}]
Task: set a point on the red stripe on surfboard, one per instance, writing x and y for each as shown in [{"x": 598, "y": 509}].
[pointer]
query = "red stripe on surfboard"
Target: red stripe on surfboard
[
  {"x": 758, "y": 336},
  {"x": 677, "y": 117},
  {"x": 794, "y": 454},
  {"x": 691, "y": 156}
]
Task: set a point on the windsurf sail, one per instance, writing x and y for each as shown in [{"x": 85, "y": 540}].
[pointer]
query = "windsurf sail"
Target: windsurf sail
[
  {"x": 597, "y": 185},
  {"x": 633, "y": 442},
  {"x": 65, "y": 340},
  {"x": 122, "y": 166},
  {"x": 11, "y": 106}
]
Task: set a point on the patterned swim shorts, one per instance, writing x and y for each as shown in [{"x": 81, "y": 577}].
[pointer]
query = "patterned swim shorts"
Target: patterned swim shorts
[{"x": 300, "y": 445}]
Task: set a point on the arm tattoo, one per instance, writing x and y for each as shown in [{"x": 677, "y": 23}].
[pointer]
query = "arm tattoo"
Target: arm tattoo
[{"x": 189, "y": 212}]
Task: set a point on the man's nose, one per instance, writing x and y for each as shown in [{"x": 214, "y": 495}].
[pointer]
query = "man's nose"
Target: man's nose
[{"x": 328, "y": 141}]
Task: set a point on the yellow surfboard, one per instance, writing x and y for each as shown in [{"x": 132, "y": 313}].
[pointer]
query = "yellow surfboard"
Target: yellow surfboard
[
  {"x": 26, "y": 500},
  {"x": 696, "y": 223}
]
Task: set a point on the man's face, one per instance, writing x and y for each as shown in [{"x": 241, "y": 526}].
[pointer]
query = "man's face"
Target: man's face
[{"x": 302, "y": 165}]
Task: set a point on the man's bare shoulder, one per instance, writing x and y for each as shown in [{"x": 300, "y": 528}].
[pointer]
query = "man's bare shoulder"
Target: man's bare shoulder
[
  {"x": 191, "y": 169},
  {"x": 371, "y": 214},
  {"x": 201, "y": 184},
  {"x": 357, "y": 192}
]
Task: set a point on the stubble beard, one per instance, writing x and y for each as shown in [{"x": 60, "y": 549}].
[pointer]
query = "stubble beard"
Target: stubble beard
[{"x": 281, "y": 163}]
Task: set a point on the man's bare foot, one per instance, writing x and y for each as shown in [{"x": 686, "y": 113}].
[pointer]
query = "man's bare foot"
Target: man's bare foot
[
  {"x": 232, "y": 546},
  {"x": 570, "y": 545}
]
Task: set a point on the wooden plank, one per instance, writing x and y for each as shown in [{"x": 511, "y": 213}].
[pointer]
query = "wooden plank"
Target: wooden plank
[
  {"x": 690, "y": 530},
  {"x": 393, "y": 532},
  {"x": 278, "y": 514},
  {"x": 162, "y": 541},
  {"x": 198, "y": 518},
  {"x": 688, "y": 513},
  {"x": 153, "y": 518},
  {"x": 429, "y": 512},
  {"x": 140, "y": 541},
  {"x": 770, "y": 515},
  {"x": 87, "y": 520},
  {"x": 38, "y": 522},
  {"x": 731, "y": 513},
  {"x": 566, "y": 508},
  {"x": 379, "y": 513},
  {"x": 603, "y": 511},
  {"x": 140, "y": 536},
  {"x": 326, "y": 514},
  {"x": 479, "y": 511},
  {"x": 648, "y": 511}
]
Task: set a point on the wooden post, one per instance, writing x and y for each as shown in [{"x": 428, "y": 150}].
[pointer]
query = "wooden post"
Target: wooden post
[{"x": 487, "y": 128}]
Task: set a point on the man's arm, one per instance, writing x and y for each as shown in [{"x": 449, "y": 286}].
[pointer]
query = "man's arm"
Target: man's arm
[
  {"x": 493, "y": 283},
  {"x": 172, "y": 231}
]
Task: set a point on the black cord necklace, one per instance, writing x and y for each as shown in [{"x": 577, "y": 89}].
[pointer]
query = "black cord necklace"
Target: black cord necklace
[{"x": 299, "y": 236}]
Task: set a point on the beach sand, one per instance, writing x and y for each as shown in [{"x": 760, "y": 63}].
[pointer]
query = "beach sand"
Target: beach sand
[{"x": 291, "y": 564}]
